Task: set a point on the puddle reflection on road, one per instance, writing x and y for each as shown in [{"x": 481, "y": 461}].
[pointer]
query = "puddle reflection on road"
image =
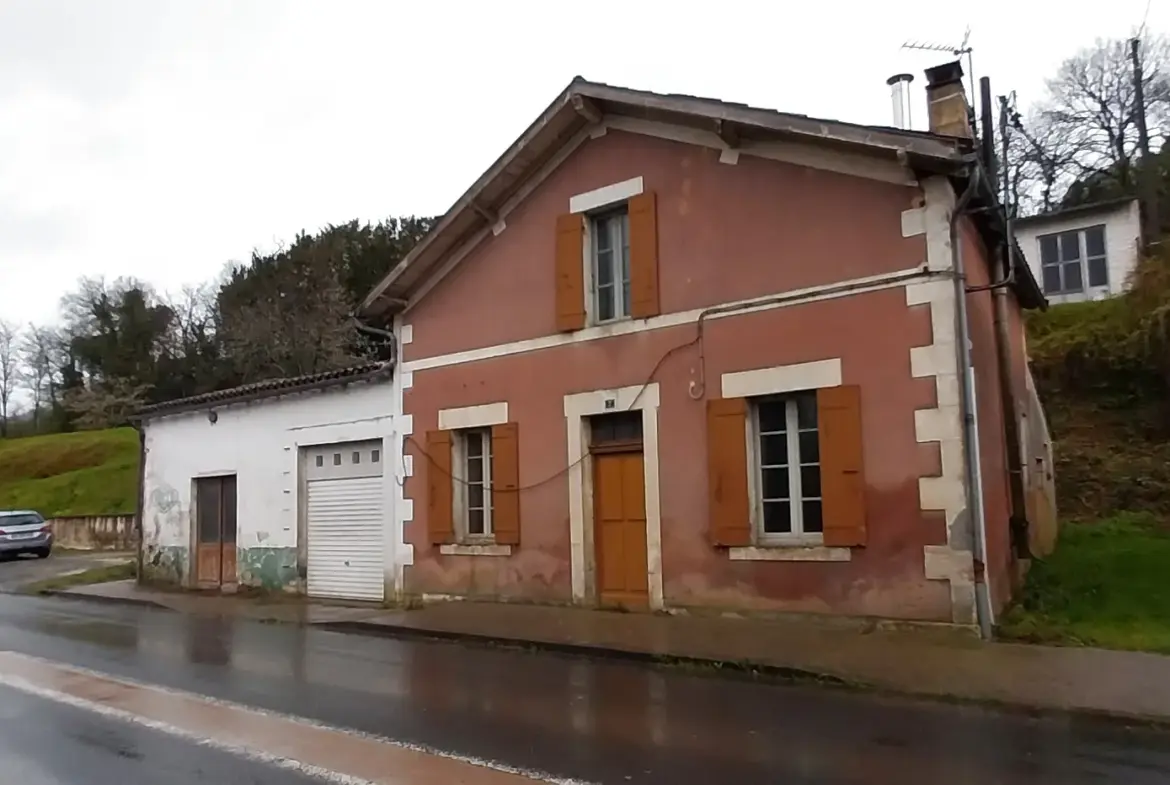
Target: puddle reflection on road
[{"x": 608, "y": 721}]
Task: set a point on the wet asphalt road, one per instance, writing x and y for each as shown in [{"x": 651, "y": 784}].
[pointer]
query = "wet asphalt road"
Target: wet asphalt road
[
  {"x": 602, "y": 722},
  {"x": 45, "y": 743},
  {"x": 17, "y": 571}
]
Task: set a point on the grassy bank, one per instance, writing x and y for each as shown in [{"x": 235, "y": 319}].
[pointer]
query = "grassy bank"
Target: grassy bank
[
  {"x": 86, "y": 473},
  {"x": 1106, "y": 585}
]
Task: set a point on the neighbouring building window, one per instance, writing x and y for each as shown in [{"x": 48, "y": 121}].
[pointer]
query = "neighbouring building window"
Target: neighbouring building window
[
  {"x": 474, "y": 495},
  {"x": 611, "y": 265},
  {"x": 787, "y": 469},
  {"x": 1070, "y": 259}
]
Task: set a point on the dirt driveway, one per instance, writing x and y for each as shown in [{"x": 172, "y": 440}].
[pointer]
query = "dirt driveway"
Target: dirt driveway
[{"x": 19, "y": 571}]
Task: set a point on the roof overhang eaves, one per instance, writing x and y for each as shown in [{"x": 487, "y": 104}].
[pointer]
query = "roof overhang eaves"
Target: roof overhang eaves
[
  {"x": 201, "y": 403},
  {"x": 474, "y": 210},
  {"x": 1103, "y": 207},
  {"x": 677, "y": 109},
  {"x": 994, "y": 226},
  {"x": 582, "y": 103}
]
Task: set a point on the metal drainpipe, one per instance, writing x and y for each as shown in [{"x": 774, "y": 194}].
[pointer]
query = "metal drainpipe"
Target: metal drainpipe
[
  {"x": 972, "y": 468},
  {"x": 139, "y": 523},
  {"x": 1011, "y": 410},
  {"x": 1019, "y": 523}
]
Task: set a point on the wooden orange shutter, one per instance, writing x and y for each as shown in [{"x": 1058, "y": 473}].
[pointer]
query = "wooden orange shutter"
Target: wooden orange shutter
[
  {"x": 506, "y": 483},
  {"x": 730, "y": 508},
  {"x": 644, "y": 256},
  {"x": 570, "y": 272},
  {"x": 440, "y": 516},
  {"x": 842, "y": 474}
]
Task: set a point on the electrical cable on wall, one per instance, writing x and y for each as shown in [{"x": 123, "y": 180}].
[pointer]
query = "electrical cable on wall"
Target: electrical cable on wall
[
  {"x": 697, "y": 389},
  {"x": 641, "y": 389}
]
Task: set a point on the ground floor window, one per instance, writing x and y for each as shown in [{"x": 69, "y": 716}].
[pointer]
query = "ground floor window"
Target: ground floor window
[
  {"x": 787, "y": 467},
  {"x": 473, "y": 488}
]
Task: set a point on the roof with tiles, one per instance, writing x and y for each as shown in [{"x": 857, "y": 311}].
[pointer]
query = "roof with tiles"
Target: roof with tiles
[{"x": 270, "y": 388}]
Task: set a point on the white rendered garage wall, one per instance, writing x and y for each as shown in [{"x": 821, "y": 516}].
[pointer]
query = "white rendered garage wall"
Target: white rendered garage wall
[{"x": 260, "y": 443}]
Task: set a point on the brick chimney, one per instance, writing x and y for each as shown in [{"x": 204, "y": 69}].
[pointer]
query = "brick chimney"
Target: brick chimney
[{"x": 946, "y": 101}]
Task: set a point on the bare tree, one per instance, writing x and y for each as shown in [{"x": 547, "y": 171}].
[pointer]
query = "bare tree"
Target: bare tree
[
  {"x": 1086, "y": 126},
  {"x": 1042, "y": 164},
  {"x": 9, "y": 370},
  {"x": 193, "y": 326},
  {"x": 36, "y": 351}
]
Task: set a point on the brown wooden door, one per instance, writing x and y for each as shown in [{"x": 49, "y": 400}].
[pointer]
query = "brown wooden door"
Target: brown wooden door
[
  {"x": 215, "y": 511},
  {"x": 619, "y": 528}
]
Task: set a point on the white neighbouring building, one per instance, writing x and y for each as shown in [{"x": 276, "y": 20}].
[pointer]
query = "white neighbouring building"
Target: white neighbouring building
[
  {"x": 1082, "y": 253},
  {"x": 287, "y": 485}
]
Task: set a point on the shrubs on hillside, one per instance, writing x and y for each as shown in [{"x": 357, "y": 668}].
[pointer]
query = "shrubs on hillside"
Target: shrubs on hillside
[{"x": 1103, "y": 371}]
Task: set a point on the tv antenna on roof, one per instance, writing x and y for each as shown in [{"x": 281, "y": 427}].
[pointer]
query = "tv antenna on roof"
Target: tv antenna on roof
[{"x": 958, "y": 51}]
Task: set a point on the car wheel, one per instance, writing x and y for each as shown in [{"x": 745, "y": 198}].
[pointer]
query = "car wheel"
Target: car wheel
[{"x": 43, "y": 553}]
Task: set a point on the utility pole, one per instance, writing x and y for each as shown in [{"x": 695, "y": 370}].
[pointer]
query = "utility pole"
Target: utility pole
[
  {"x": 1147, "y": 188},
  {"x": 1005, "y": 113},
  {"x": 1139, "y": 96}
]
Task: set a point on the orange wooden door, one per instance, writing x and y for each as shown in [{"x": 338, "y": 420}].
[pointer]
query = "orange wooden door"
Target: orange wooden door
[
  {"x": 619, "y": 529},
  {"x": 215, "y": 511}
]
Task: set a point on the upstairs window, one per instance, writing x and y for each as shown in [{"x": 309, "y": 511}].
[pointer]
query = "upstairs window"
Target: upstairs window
[
  {"x": 1070, "y": 259},
  {"x": 611, "y": 265},
  {"x": 606, "y": 265}
]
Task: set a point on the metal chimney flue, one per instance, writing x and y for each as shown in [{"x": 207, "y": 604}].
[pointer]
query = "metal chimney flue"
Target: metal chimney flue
[{"x": 900, "y": 98}]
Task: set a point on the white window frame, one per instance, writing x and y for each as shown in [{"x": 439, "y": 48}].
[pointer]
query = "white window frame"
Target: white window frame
[
  {"x": 603, "y": 222},
  {"x": 796, "y": 498},
  {"x": 1083, "y": 259},
  {"x": 462, "y": 496},
  {"x": 596, "y": 205}
]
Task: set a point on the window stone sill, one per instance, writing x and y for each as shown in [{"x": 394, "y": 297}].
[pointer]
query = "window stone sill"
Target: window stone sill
[
  {"x": 475, "y": 550},
  {"x": 791, "y": 553}
]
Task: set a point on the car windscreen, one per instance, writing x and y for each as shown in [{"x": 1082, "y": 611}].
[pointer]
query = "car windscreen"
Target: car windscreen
[{"x": 7, "y": 521}]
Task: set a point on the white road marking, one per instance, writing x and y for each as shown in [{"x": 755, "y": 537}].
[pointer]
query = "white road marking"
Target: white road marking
[
  {"x": 27, "y": 685},
  {"x": 19, "y": 683}
]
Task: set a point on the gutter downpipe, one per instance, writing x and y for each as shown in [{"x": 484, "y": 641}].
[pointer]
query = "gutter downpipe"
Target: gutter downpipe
[
  {"x": 973, "y": 481},
  {"x": 1018, "y": 516},
  {"x": 140, "y": 426}
]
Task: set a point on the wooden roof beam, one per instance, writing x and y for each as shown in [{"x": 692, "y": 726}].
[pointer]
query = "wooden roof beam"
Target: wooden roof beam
[
  {"x": 587, "y": 109},
  {"x": 727, "y": 133}
]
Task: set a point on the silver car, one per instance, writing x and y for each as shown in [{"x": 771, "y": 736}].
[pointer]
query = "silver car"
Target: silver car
[{"x": 24, "y": 531}]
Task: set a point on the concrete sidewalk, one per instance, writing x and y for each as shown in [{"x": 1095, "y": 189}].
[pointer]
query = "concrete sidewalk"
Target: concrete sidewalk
[{"x": 926, "y": 662}]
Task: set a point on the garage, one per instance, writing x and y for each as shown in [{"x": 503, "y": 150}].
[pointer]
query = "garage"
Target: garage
[{"x": 345, "y": 514}]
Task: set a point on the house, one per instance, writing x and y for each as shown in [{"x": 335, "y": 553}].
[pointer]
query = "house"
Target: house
[
  {"x": 675, "y": 353},
  {"x": 1085, "y": 252},
  {"x": 286, "y": 485}
]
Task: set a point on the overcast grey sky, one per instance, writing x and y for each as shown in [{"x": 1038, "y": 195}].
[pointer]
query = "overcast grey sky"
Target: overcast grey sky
[{"x": 164, "y": 138}]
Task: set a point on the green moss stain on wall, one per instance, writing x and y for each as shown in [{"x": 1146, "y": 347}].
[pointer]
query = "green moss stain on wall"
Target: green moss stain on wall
[
  {"x": 271, "y": 569},
  {"x": 165, "y": 564}
]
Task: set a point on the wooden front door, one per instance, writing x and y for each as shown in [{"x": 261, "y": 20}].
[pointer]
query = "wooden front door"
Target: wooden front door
[
  {"x": 215, "y": 511},
  {"x": 619, "y": 528}
]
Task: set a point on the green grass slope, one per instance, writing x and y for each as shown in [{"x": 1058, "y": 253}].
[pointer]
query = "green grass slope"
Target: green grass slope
[
  {"x": 1105, "y": 586},
  {"x": 86, "y": 473}
]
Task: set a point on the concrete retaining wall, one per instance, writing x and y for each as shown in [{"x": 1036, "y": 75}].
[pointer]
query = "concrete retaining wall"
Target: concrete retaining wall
[{"x": 94, "y": 532}]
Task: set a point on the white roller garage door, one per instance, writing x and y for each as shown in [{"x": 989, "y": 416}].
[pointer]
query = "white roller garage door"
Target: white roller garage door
[{"x": 346, "y": 512}]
